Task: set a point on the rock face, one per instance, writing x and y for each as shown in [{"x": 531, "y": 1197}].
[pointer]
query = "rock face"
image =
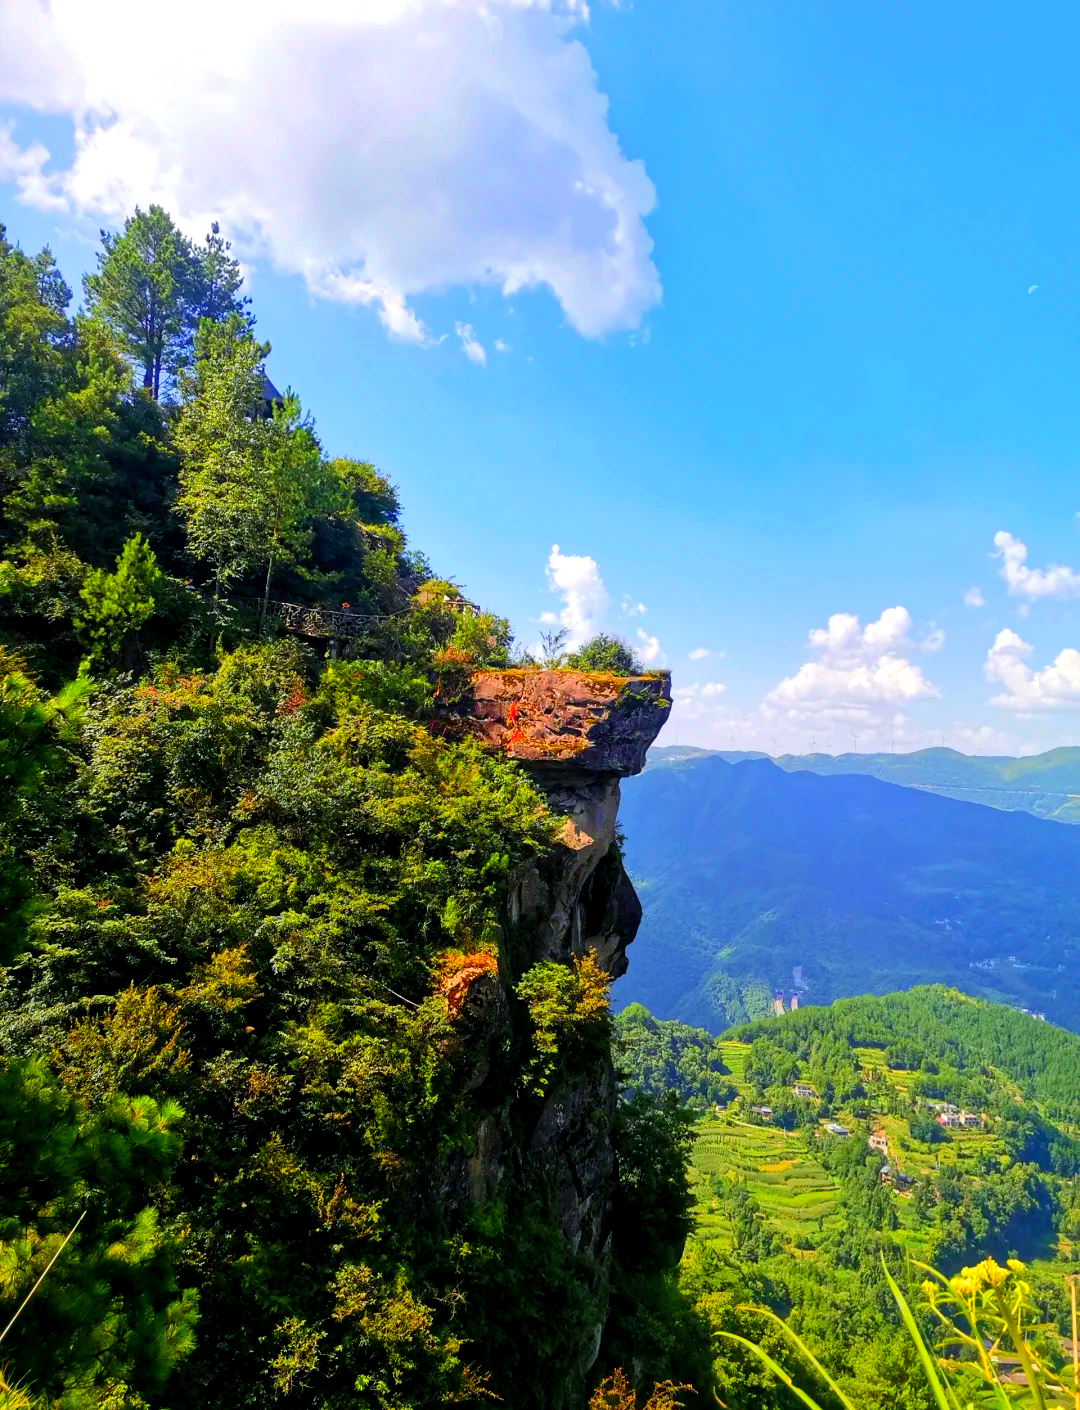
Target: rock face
[
  {"x": 557, "y": 722},
  {"x": 577, "y": 734}
]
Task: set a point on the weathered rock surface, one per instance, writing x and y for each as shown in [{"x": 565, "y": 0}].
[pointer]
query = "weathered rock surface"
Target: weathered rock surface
[
  {"x": 570, "y": 718},
  {"x": 577, "y": 735}
]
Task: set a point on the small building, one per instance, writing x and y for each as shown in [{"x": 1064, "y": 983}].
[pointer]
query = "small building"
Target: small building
[
  {"x": 794, "y": 1002},
  {"x": 970, "y": 1118},
  {"x": 948, "y": 1118},
  {"x": 879, "y": 1142},
  {"x": 761, "y": 1110},
  {"x": 804, "y": 1090},
  {"x": 896, "y": 1179},
  {"x": 778, "y": 1002},
  {"x": 835, "y": 1129}
]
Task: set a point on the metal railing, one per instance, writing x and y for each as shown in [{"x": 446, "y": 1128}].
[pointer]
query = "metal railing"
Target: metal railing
[{"x": 340, "y": 624}]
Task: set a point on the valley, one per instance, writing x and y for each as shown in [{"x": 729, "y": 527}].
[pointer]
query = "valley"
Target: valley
[{"x": 753, "y": 880}]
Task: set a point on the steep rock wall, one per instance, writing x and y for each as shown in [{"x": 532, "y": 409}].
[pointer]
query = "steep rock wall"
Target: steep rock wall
[{"x": 577, "y": 735}]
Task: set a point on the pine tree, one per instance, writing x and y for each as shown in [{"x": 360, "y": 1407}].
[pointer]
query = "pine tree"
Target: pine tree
[
  {"x": 153, "y": 285},
  {"x": 115, "y": 605}
]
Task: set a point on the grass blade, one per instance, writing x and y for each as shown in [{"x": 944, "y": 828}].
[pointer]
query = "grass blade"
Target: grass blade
[
  {"x": 943, "y": 1392},
  {"x": 774, "y": 1366},
  {"x": 801, "y": 1346}
]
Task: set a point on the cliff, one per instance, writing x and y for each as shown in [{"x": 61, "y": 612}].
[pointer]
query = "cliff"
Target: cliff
[{"x": 577, "y": 735}]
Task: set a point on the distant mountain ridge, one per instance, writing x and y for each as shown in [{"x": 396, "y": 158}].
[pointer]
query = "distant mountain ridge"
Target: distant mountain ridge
[
  {"x": 753, "y": 878},
  {"x": 1046, "y": 785}
]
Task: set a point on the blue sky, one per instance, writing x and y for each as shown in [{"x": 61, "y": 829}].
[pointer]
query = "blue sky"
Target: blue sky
[{"x": 819, "y": 395}]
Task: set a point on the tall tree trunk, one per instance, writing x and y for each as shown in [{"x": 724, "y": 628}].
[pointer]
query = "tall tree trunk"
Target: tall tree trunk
[{"x": 266, "y": 593}]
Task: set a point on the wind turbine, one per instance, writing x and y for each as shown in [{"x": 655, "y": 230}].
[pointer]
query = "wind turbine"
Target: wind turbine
[
  {"x": 894, "y": 746},
  {"x": 855, "y": 737},
  {"x": 813, "y": 744},
  {"x": 775, "y": 747}
]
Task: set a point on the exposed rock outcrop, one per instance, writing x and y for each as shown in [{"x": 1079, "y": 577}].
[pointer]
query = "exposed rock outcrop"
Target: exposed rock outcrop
[{"x": 577, "y": 734}]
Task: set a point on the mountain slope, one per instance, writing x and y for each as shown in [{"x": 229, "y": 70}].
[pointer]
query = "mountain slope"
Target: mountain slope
[
  {"x": 753, "y": 879},
  {"x": 1047, "y": 785}
]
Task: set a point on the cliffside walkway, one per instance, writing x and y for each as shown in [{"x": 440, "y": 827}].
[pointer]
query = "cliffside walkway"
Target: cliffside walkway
[{"x": 339, "y": 624}]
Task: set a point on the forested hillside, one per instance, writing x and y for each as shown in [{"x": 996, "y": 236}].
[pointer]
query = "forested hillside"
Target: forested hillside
[
  {"x": 281, "y": 1052},
  {"x": 753, "y": 879},
  {"x": 1047, "y": 785},
  {"x": 796, "y": 1210}
]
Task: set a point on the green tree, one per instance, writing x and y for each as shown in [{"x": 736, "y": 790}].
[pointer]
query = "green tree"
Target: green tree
[
  {"x": 115, "y": 605},
  {"x": 107, "y": 1324},
  {"x": 610, "y": 654},
  {"x": 250, "y": 484},
  {"x": 33, "y": 731},
  {"x": 34, "y": 331},
  {"x": 219, "y": 281},
  {"x": 153, "y": 285}
]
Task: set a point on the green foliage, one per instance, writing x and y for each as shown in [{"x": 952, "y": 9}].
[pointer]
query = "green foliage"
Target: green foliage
[
  {"x": 273, "y": 881},
  {"x": 33, "y": 733},
  {"x": 116, "y": 605},
  {"x": 923, "y": 1126},
  {"x": 278, "y": 861},
  {"x": 610, "y": 654},
  {"x": 658, "y": 1056},
  {"x": 651, "y": 1322},
  {"x": 568, "y": 1012},
  {"x": 108, "y": 1321},
  {"x": 250, "y": 484},
  {"x": 152, "y": 286},
  {"x": 799, "y": 1222},
  {"x": 947, "y": 1029}
]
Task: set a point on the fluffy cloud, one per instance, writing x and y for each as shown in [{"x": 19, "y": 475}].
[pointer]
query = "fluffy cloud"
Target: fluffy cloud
[
  {"x": 858, "y": 667},
  {"x": 501, "y": 347},
  {"x": 470, "y": 346},
  {"x": 694, "y": 702},
  {"x": 974, "y": 598},
  {"x": 649, "y": 648},
  {"x": 1032, "y": 583},
  {"x": 984, "y": 739},
  {"x": 577, "y": 580},
  {"x": 379, "y": 148},
  {"x": 699, "y": 653},
  {"x": 1056, "y": 686}
]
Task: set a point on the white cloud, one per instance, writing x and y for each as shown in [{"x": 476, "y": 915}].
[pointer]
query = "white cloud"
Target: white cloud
[
  {"x": 630, "y": 608},
  {"x": 649, "y": 648},
  {"x": 22, "y": 166},
  {"x": 984, "y": 739},
  {"x": 1056, "y": 686},
  {"x": 501, "y": 347},
  {"x": 472, "y": 349},
  {"x": 858, "y": 667},
  {"x": 1032, "y": 583},
  {"x": 381, "y": 149},
  {"x": 585, "y": 600},
  {"x": 974, "y": 598},
  {"x": 699, "y": 653},
  {"x": 696, "y": 703}
]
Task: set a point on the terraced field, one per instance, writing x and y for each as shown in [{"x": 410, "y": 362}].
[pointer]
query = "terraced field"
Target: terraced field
[
  {"x": 797, "y": 1195},
  {"x": 799, "y": 1198}
]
